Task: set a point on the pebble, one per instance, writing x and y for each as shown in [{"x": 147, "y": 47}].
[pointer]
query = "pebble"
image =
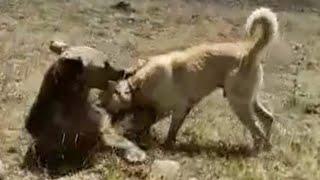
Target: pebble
[
  {"x": 193, "y": 178},
  {"x": 165, "y": 170}
]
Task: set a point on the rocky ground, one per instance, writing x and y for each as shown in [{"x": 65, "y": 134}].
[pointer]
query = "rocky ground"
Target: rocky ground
[{"x": 212, "y": 143}]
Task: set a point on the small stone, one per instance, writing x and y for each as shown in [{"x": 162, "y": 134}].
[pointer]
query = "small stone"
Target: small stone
[
  {"x": 124, "y": 6},
  {"x": 312, "y": 109},
  {"x": 193, "y": 178},
  {"x": 57, "y": 46},
  {"x": 20, "y": 16},
  {"x": 312, "y": 65},
  {"x": 297, "y": 46},
  {"x": 164, "y": 169}
]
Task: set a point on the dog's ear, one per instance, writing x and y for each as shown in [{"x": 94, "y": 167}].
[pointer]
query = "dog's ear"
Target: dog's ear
[
  {"x": 107, "y": 64},
  {"x": 129, "y": 72},
  {"x": 114, "y": 72}
]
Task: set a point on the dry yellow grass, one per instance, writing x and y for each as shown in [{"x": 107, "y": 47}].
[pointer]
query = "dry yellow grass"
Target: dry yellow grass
[{"x": 213, "y": 141}]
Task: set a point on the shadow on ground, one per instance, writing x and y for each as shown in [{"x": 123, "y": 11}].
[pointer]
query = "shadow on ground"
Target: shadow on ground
[
  {"x": 60, "y": 165},
  {"x": 219, "y": 148}
]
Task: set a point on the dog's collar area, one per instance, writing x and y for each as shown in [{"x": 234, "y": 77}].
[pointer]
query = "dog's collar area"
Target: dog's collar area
[
  {"x": 126, "y": 74},
  {"x": 131, "y": 87}
]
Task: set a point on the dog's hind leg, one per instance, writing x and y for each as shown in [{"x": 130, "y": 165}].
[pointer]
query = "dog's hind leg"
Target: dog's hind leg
[
  {"x": 245, "y": 113},
  {"x": 177, "y": 119},
  {"x": 265, "y": 116}
]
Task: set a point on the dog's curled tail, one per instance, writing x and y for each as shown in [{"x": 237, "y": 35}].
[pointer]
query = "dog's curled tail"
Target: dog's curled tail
[{"x": 269, "y": 24}]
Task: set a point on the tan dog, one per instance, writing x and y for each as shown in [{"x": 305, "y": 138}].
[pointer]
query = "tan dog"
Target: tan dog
[{"x": 177, "y": 80}]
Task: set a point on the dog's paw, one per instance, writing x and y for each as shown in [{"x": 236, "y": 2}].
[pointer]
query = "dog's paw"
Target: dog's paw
[
  {"x": 260, "y": 145},
  {"x": 257, "y": 146},
  {"x": 135, "y": 155}
]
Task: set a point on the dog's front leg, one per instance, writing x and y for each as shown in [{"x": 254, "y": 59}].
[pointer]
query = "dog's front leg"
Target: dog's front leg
[{"x": 177, "y": 119}]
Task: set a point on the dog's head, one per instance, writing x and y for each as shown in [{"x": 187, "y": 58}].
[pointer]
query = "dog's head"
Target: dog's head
[
  {"x": 118, "y": 96},
  {"x": 98, "y": 76}
]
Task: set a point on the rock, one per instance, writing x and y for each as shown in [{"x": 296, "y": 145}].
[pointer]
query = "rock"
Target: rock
[
  {"x": 313, "y": 65},
  {"x": 296, "y": 46},
  {"x": 312, "y": 109},
  {"x": 124, "y": 6},
  {"x": 164, "y": 170},
  {"x": 193, "y": 178},
  {"x": 57, "y": 46},
  {"x": 21, "y": 16},
  {"x": 7, "y": 23}
]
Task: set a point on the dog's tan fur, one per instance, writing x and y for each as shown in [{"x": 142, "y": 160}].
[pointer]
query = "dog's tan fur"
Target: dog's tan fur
[{"x": 177, "y": 80}]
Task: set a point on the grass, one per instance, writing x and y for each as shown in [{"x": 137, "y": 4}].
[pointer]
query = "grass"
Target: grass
[{"x": 213, "y": 143}]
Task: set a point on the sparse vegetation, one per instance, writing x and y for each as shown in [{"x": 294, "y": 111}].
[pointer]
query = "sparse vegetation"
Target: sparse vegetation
[{"x": 213, "y": 144}]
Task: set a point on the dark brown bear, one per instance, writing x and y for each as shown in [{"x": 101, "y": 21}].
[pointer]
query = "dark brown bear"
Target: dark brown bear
[{"x": 65, "y": 126}]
